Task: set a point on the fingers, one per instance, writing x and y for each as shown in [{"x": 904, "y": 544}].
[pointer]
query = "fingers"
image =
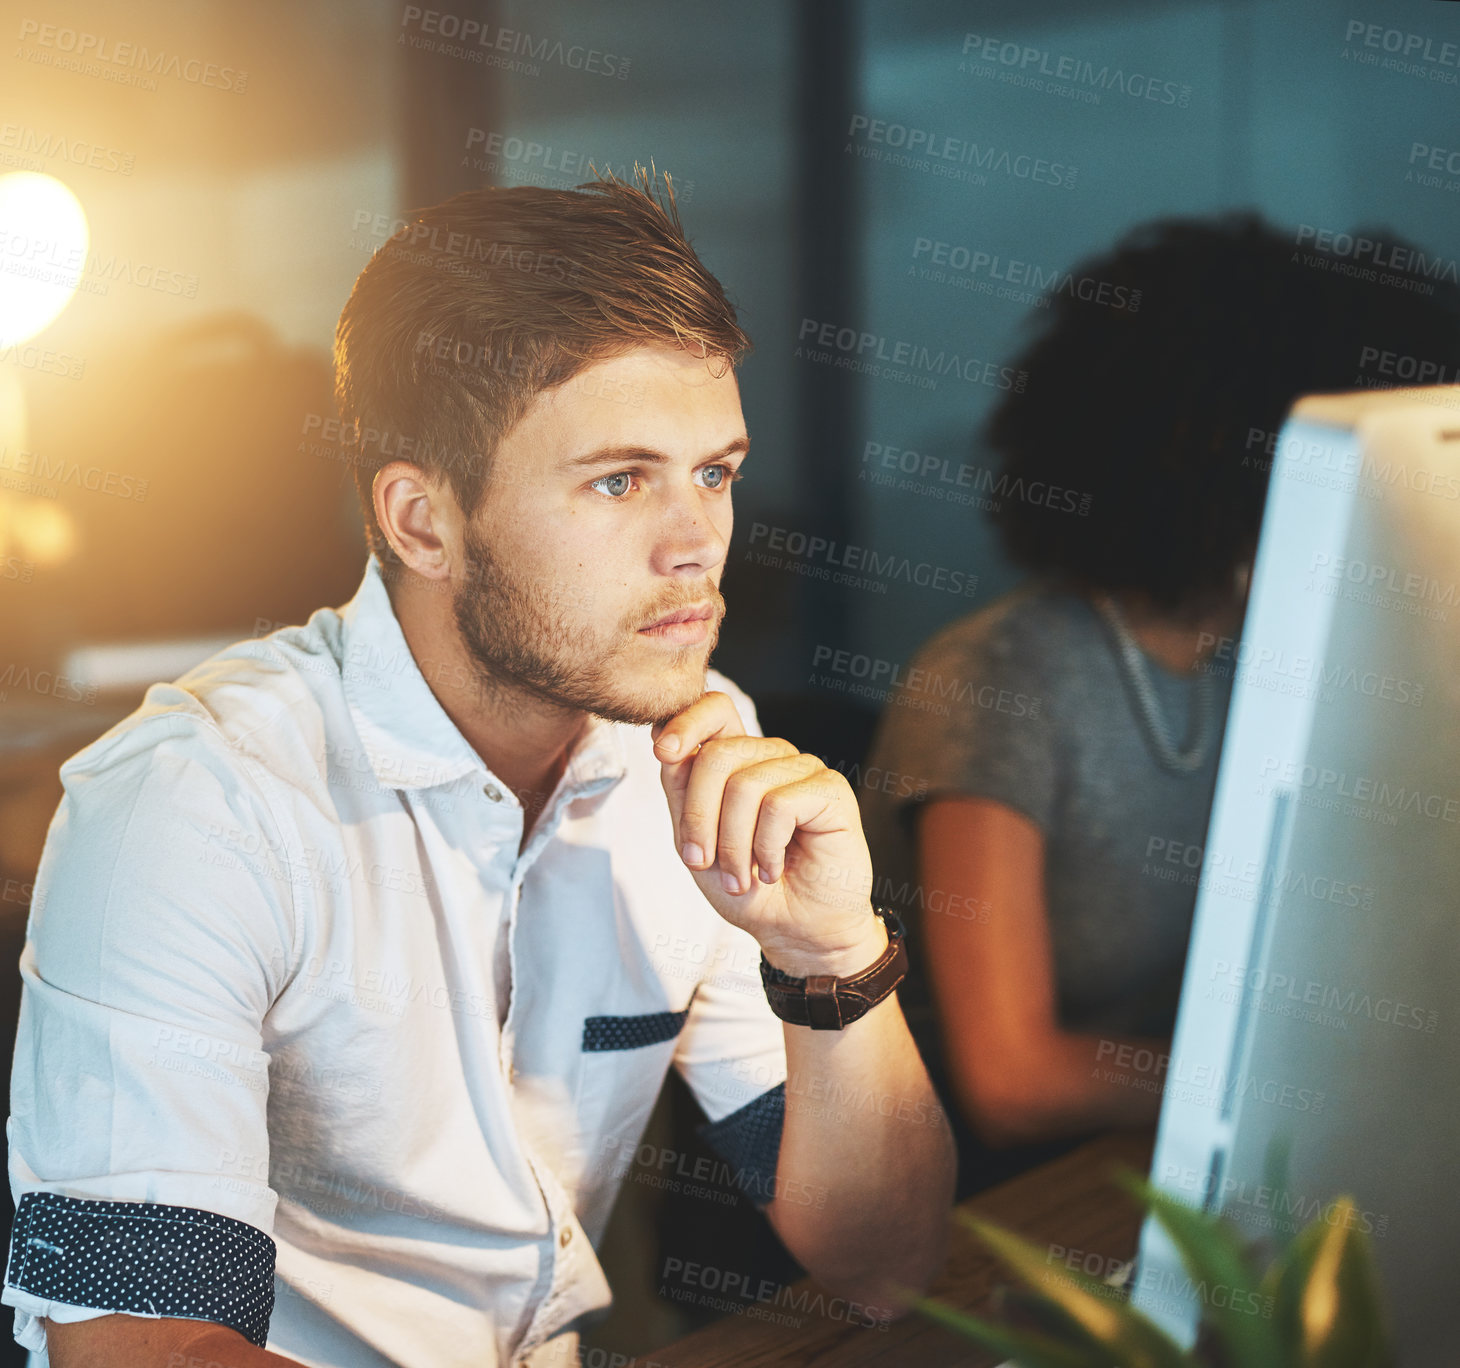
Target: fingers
[
  {"x": 676, "y": 741},
  {"x": 712, "y": 714},
  {"x": 703, "y": 780},
  {"x": 755, "y": 814},
  {"x": 783, "y": 810},
  {"x": 722, "y": 785}
]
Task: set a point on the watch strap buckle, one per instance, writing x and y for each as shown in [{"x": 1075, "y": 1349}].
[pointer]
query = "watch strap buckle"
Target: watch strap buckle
[{"x": 823, "y": 1007}]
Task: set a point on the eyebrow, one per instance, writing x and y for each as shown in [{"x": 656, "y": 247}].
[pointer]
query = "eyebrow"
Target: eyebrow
[{"x": 617, "y": 455}]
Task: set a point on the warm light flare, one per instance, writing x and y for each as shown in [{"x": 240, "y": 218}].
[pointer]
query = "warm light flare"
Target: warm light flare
[
  {"x": 43, "y": 245},
  {"x": 36, "y": 530}
]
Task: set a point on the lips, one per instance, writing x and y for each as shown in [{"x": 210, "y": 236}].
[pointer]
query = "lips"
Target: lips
[{"x": 684, "y": 615}]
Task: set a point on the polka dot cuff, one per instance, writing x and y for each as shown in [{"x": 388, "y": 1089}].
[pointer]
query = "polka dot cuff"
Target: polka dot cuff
[
  {"x": 750, "y": 1141},
  {"x": 144, "y": 1257}
]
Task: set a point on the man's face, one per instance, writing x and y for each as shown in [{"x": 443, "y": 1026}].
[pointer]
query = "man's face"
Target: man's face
[{"x": 607, "y": 508}]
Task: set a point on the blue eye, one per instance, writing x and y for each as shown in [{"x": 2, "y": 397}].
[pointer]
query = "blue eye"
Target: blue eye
[
  {"x": 618, "y": 475},
  {"x": 617, "y": 485},
  {"x": 727, "y": 476}
]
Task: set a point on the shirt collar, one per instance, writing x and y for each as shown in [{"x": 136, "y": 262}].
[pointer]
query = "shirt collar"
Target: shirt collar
[{"x": 407, "y": 735}]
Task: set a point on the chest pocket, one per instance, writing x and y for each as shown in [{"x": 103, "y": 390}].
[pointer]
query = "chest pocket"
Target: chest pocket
[{"x": 621, "y": 1069}]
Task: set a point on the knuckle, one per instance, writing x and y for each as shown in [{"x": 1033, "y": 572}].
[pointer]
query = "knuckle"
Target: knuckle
[
  {"x": 716, "y": 754},
  {"x": 776, "y": 807},
  {"x": 813, "y": 771},
  {"x": 694, "y": 815},
  {"x": 740, "y": 784}
]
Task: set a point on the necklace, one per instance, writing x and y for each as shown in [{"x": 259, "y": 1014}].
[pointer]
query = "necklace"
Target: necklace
[{"x": 1148, "y": 706}]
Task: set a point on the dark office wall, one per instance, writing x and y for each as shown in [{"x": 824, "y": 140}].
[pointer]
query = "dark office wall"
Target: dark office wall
[{"x": 1251, "y": 105}]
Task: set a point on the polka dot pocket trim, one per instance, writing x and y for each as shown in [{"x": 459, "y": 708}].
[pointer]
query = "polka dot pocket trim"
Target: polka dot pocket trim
[{"x": 632, "y": 1032}]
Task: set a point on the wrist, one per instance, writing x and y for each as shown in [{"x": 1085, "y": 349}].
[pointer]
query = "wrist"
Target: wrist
[
  {"x": 838, "y": 985},
  {"x": 802, "y": 961}
]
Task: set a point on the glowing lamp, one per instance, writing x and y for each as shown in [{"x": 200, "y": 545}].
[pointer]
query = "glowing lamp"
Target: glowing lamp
[{"x": 43, "y": 245}]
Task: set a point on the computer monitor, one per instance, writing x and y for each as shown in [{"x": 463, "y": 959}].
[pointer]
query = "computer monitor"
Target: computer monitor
[{"x": 1320, "y": 1007}]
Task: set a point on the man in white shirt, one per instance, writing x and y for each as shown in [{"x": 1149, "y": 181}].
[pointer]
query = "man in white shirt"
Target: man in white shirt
[{"x": 358, "y": 954}]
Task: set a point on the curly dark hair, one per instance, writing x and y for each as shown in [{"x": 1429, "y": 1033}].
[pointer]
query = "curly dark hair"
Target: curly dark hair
[{"x": 1155, "y": 408}]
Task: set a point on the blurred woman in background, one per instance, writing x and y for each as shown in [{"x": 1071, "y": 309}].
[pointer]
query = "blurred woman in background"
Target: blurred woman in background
[{"x": 1048, "y": 869}]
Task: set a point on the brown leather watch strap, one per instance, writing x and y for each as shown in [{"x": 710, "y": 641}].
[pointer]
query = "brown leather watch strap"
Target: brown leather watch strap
[{"x": 825, "y": 1002}]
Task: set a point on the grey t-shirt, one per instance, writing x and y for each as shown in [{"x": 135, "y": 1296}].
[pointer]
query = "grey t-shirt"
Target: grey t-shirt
[{"x": 1025, "y": 702}]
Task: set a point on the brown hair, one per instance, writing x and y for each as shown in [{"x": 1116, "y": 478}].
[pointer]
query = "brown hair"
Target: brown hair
[{"x": 480, "y": 303}]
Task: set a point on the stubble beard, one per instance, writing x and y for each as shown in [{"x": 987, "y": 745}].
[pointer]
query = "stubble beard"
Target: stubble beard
[{"x": 520, "y": 644}]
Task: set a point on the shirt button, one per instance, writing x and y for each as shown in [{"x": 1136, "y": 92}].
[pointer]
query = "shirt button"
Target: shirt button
[
  {"x": 512, "y": 1073},
  {"x": 565, "y": 1235},
  {"x": 493, "y": 792}
]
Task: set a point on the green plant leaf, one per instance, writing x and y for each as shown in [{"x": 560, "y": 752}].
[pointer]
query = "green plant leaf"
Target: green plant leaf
[
  {"x": 1276, "y": 1164},
  {"x": 1340, "y": 1317},
  {"x": 1027, "y": 1349},
  {"x": 1284, "y": 1283},
  {"x": 1116, "y": 1329},
  {"x": 1216, "y": 1261}
]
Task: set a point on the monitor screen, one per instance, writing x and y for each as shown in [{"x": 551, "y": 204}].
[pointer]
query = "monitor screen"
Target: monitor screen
[{"x": 1318, "y": 1015}]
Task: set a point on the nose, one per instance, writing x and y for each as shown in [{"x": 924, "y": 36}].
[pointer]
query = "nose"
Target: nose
[{"x": 692, "y": 536}]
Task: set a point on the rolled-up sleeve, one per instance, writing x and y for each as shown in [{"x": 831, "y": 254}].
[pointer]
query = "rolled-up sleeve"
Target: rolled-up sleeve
[
  {"x": 162, "y": 928},
  {"x": 732, "y": 1053}
]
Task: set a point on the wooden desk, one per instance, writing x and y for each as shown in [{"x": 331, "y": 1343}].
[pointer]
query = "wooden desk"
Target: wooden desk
[{"x": 1068, "y": 1202}]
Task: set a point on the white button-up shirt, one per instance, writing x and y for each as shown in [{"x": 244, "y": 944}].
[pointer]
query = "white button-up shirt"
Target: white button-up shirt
[{"x": 286, "y": 965}]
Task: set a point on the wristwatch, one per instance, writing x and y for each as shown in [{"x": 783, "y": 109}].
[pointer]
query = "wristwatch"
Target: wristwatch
[{"x": 825, "y": 1002}]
